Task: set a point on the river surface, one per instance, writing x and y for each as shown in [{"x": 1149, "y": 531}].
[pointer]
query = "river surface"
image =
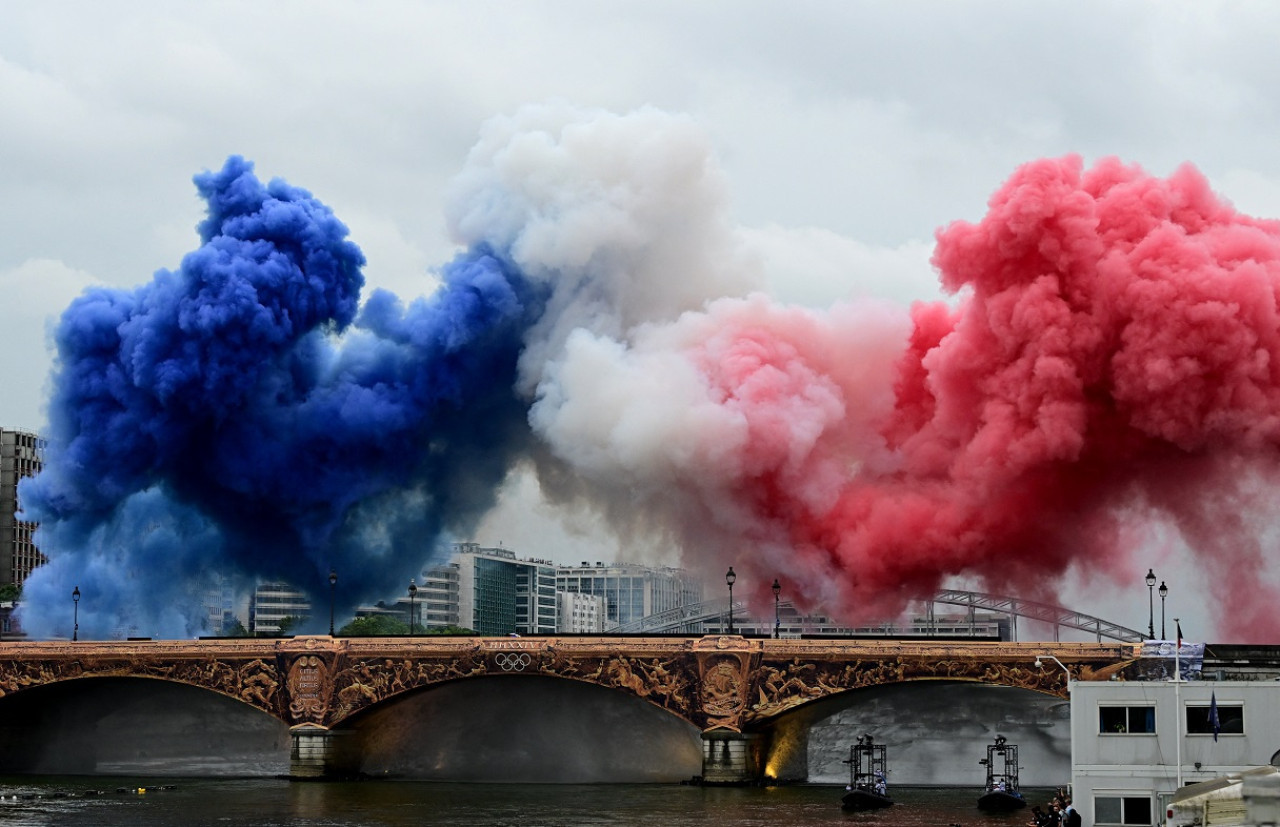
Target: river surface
[{"x": 258, "y": 802}]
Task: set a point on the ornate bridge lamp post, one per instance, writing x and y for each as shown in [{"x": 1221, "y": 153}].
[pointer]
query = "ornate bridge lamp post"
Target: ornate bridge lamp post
[
  {"x": 333, "y": 581},
  {"x": 1151, "y": 605},
  {"x": 413, "y": 592},
  {"x": 777, "y": 617},
  {"x": 729, "y": 578},
  {"x": 75, "y": 613},
  {"x": 1164, "y": 592}
]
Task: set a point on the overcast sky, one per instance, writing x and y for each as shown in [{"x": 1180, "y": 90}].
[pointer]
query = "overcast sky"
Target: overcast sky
[{"x": 849, "y": 131}]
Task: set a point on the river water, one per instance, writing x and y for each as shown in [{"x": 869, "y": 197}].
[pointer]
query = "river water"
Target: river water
[{"x": 259, "y": 802}]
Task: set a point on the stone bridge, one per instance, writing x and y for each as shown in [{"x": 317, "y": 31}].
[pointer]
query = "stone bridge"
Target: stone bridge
[{"x": 730, "y": 687}]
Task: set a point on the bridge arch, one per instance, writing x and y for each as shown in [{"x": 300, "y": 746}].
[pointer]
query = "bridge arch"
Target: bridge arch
[
  {"x": 127, "y": 725},
  {"x": 934, "y": 732},
  {"x": 791, "y": 674},
  {"x": 786, "y": 688},
  {"x": 529, "y": 728},
  {"x": 664, "y": 675}
]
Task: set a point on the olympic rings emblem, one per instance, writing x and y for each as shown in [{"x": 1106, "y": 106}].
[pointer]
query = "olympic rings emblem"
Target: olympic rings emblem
[{"x": 512, "y": 662}]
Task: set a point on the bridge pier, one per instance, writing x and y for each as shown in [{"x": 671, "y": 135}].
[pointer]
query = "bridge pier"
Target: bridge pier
[
  {"x": 321, "y": 754},
  {"x": 732, "y": 758}
]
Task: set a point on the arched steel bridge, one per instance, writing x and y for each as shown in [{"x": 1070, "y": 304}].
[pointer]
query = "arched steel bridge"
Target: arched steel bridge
[{"x": 692, "y": 616}]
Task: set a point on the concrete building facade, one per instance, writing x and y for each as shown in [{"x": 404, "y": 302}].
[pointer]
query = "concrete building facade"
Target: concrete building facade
[
  {"x": 1135, "y": 742},
  {"x": 580, "y": 614},
  {"x": 21, "y": 455},
  {"x": 436, "y": 603}
]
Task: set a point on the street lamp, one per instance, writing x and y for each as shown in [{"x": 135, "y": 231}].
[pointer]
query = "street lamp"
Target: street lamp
[
  {"x": 729, "y": 578},
  {"x": 1040, "y": 665},
  {"x": 413, "y": 592},
  {"x": 333, "y": 581},
  {"x": 777, "y": 618},
  {"x": 1164, "y": 592},
  {"x": 75, "y": 613},
  {"x": 1151, "y": 605}
]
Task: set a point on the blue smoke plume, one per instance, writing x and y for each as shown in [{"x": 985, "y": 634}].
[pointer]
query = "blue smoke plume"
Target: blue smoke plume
[{"x": 244, "y": 416}]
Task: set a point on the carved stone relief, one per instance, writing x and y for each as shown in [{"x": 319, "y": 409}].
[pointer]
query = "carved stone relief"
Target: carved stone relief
[
  {"x": 723, "y": 681},
  {"x": 722, "y": 691},
  {"x": 309, "y": 689}
]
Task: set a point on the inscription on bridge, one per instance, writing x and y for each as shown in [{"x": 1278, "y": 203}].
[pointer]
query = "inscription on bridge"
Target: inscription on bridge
[
  {"x": 721, "y": 682},
  {"x": 514, "y": 644}
]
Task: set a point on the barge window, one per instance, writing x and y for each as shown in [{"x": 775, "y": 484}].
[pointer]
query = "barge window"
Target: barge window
[
  {"x": 1130, "y": 720},
  {"x": 1127, "y": 810},
  {"x": 1230, "y": 720}
]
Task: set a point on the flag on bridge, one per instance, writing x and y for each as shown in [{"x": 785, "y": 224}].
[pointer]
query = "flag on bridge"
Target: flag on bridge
[
  {"x": 1178, "y": 624},
  {"x": 1214, "y": 723}
]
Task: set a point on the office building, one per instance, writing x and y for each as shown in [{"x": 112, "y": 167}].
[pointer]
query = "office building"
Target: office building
[
  {"x": 21, "y": 455},
  {"x": 499, "y": 594},
  {"x": 272, "y": 603},
  {"x": 493, "y": 592},
  {"x": 226, "y": 607},
  {"x": 631, "y": 591}
]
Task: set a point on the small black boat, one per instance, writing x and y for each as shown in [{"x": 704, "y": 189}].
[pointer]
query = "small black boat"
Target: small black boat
[
  {"x": 868, "y": 787},
  {"x": 1001, "y": 793}
]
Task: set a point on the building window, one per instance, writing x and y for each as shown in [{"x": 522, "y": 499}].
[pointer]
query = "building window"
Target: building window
[
  {"x": 1126, "y": 719},
  {"x": 1230, "y": 720},
  {"x": 1122, "y": 810}
]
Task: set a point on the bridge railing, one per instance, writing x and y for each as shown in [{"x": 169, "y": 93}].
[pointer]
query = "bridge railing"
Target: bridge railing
[
  {"x": 690, "y": 617},
  {"x": 1043, "y": 612}
]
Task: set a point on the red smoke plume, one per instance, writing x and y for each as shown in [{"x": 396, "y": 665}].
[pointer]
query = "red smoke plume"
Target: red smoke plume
[{"x": 1117, "y": 357}]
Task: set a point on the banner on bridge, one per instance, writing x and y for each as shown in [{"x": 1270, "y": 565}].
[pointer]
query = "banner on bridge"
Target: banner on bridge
[{"x": 1160, "y": 656}]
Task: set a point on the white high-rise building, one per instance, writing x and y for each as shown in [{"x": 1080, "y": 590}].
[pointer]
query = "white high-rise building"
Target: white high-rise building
[
  {"x": 580, "y": 614},
  {"x": 272, "y": 603},
  {"x": 436, "y": 604}
]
